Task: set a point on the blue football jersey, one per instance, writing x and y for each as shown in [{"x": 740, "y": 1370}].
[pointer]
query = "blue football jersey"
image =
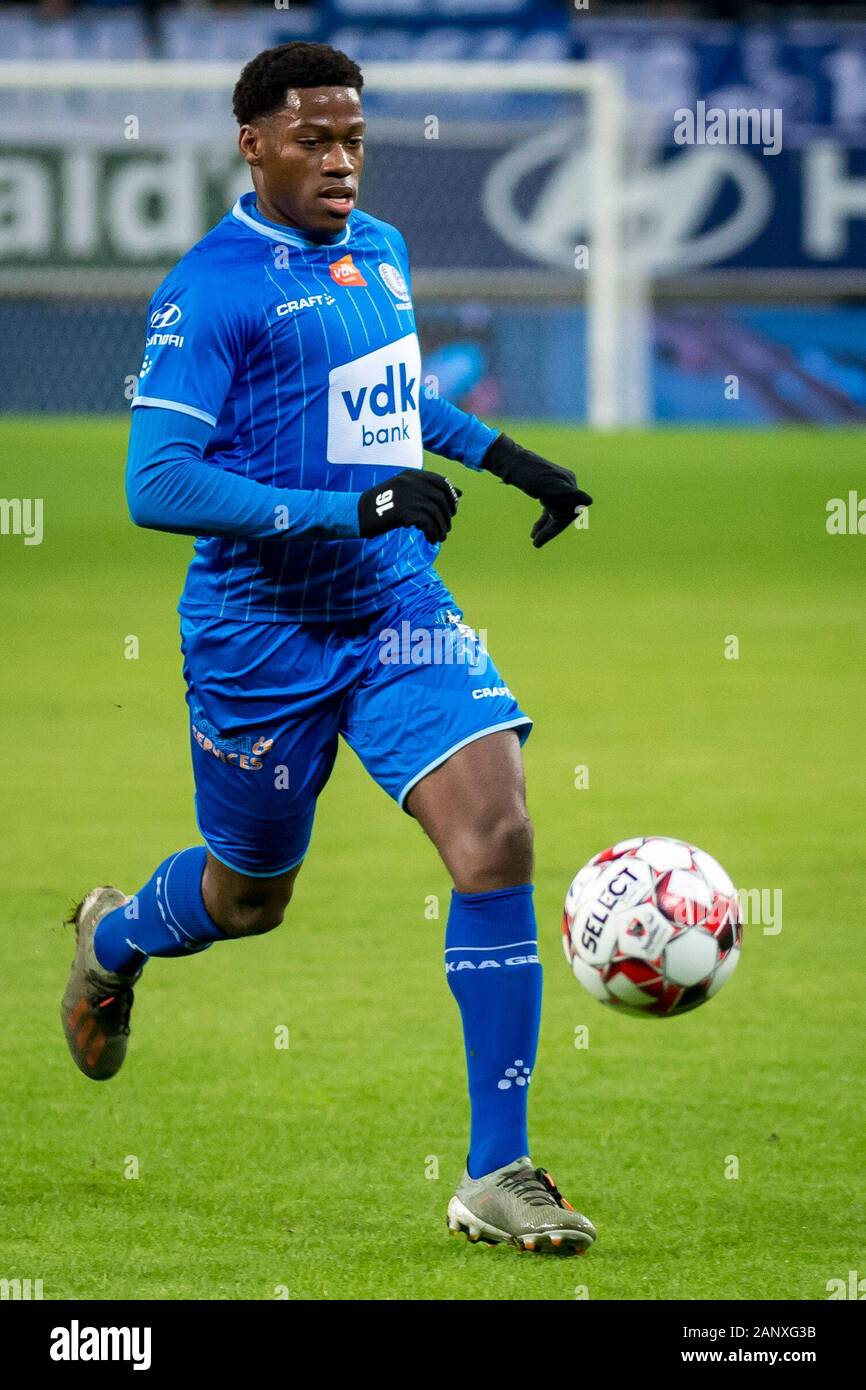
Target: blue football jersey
[{"x": 303, "y": 358}]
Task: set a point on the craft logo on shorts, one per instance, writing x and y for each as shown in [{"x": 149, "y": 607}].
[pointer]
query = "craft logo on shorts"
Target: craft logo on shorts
[
  {"x": 345, "y": 272},
  {"x": 244, "y": 751},
  {"x": 394, "y": 280}
]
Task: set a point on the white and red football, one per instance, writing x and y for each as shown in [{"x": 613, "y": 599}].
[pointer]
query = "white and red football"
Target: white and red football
[{"x": 652, "y": 926}]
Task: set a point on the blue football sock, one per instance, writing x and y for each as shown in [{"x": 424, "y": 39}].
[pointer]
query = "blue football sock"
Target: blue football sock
[
  {"x": 166, "y": 918},
  {"x": 491, "y": 961}
]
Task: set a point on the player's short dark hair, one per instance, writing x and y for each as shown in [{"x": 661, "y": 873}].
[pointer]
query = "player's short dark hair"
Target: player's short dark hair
[{"x": 262, "y": 86}]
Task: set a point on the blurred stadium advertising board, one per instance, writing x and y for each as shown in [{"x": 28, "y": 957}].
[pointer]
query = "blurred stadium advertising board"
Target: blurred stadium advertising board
[
  {"x": 698, "y": 208},
  {"x": 134, "y": 195},
  {"x": 100, "y": 196}
]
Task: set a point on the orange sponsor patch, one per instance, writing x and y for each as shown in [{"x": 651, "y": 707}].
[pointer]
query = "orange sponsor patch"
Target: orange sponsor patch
[{"x": 345, "y": 272}]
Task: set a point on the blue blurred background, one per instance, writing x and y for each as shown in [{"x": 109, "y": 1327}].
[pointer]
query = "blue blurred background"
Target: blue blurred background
[{"x": 754, "y": 264}]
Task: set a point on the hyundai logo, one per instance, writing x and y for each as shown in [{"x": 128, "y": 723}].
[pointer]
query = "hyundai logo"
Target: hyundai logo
[{"x": 165, "y": 317}]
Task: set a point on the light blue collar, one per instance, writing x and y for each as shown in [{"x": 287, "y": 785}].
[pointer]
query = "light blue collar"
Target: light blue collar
[{"x": 245, "y": 211}]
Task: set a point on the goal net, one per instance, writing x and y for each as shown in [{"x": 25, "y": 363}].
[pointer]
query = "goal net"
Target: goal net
[{"x": 505, "y": 179}]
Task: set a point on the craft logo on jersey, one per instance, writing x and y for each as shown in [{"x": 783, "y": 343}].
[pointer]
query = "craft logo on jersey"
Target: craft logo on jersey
[
  {"x": 373, "y": 408},
  {"x": 394, "y": 280},
  {"x": 345, "y": 272},
  {"x": 296, "y": 306}
]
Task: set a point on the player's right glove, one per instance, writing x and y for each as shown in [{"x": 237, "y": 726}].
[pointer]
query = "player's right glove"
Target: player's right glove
[
  {"x": 411, "y": 498},
  {"x": 554, "y": 487}
]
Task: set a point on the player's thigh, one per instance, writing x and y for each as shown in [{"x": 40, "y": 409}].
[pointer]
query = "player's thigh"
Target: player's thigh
[
  {"x": 263, "y": 725},
  {"x": 473, "y": 807},
  {"x": 431, "y": 696}
]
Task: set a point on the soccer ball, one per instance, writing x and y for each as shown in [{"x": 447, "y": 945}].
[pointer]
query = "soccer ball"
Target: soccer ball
[{"x": 652, "y": 926}]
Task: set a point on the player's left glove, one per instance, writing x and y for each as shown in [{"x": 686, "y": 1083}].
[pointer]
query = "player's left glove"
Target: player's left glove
[{"x": 554, "y": 487}]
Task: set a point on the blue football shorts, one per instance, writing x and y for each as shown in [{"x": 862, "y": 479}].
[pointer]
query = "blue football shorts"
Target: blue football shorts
[{"x": 406, "y": 688}]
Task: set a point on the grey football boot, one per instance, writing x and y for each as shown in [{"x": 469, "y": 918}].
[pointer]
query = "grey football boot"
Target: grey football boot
[
  {"x": 519, "y": 1204},
  {"x": 96, "y": 1004}
]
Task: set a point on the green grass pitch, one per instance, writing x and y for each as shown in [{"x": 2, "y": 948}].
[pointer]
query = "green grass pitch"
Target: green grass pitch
[{"x": 313, "y": 1169}]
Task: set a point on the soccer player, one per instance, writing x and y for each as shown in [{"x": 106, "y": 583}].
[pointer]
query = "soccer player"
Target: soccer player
[{"x": 280, "y": 420}]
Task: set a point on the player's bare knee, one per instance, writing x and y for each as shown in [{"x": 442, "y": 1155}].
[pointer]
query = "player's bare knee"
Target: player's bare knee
[
  {"x": 252, "y": 915},
  {"x": 497, "y": 854},
  {"x": 250, "y": 919},
  {"x": 245, "y": 906},
  {"x": 511, "y": 846}
]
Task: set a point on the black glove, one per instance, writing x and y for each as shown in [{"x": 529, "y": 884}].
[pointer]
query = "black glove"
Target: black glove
[
  {"x": 556, "y": 488},
  {"x": 410, "y": 498}
]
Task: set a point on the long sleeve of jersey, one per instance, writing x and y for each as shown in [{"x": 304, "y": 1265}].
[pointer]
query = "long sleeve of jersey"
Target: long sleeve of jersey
[
  {"x": 451, "y": 432},
  {"x": 171, "y": 487},
  {"x": 445, "y": 428}
]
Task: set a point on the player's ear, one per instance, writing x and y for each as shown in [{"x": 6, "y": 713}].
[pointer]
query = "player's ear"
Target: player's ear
[{"x": 249, "y": 143}]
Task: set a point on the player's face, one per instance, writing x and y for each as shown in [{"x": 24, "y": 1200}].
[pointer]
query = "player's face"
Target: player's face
[{"x": 307, "y": 159}]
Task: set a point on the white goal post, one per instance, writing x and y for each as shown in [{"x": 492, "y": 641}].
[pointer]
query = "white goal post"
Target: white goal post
[{"x": 611, "y": 394}]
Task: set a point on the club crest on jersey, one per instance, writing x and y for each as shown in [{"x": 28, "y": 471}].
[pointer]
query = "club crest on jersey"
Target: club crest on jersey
[
  {"x": 345, "y": 272},
  {"x": 394, "y": 280}
]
